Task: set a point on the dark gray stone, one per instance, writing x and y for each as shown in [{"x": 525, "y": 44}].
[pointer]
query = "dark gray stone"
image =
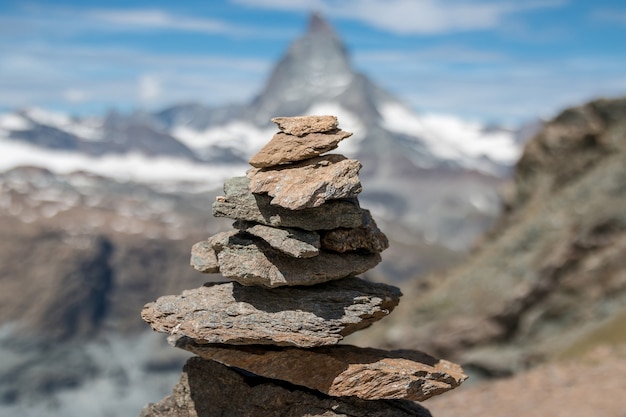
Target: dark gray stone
[
  {"x": 295, "y": 242},
  {"x": 367, "y": 237}
]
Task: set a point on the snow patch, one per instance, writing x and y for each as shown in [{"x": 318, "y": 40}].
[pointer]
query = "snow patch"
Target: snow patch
[
  {"x": 243, "y": 137},
  {"x": 451, "y": 138},
  {"x": 12, "y": 121},
  {"x": 128, "y": 167},
  {"x": 90, "y": 129}
]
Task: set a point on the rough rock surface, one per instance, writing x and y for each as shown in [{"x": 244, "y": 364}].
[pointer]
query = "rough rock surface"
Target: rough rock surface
[
  {"x": 209, "y": 389},
  {"x": 284, "y": 148},
  {"x": 252, "y": 261},
  {"x": 367, "y": 237},
  {"x": 295, "y": 242},
  {"x": 309, "y": 183},
  {"x": 302, "y": 125},
  {"x": 297, "y": 316},
  {"x": 341, "y": 371},
  {"x": 551, "y": 276},
  {"x": 240, "y": 203}
]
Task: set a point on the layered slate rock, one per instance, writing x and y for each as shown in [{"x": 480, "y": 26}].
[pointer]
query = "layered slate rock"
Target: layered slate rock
[
  {"x": 209, "y": 389},
  {"x": 285, "y": 148},
  {"x": 341, "y": 371},
  {"x": 252, "y": 261},
  {"x": 309, "y": 183},
  {"x": 287, "y": 316},
  {"x": 300, "y": 238},
  {"x": 239, "y": 203}
]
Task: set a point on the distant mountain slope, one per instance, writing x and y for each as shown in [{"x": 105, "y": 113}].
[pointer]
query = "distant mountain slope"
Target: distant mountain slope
[
  {"x": 427, "y": 173},
  {"x": 550, "y": 279}
]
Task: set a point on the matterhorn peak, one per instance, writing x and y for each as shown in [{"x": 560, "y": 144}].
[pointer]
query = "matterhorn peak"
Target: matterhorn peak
[
  {"x": 316, "y": 68},
  {"x": 318, "y": 25}
]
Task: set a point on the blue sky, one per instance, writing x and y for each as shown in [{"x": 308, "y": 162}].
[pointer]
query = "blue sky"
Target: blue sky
[{"x": 495, "y": 61}]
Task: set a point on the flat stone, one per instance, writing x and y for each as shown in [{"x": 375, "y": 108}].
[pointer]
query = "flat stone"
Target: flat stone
[
  {"x": 302, "y": 125},
  {"x": 252, "y": 261},
  {"x": 295, "y": 242},
  {"x": 367, "y": 237},
  {"x": 285, "y": 148},
  {"x": 288, "y": 316},
  {"x": 309, "y": 183},
  {"x": 204, "y": 256},
  {"x": 240, "y": 203},
  {"x": 209, "y": 389},
  {"x": 341, "y": 371}
]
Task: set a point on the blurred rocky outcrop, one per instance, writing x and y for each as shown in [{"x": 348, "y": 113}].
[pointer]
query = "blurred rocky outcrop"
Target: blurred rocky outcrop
[{"x": 550, "y": 279}]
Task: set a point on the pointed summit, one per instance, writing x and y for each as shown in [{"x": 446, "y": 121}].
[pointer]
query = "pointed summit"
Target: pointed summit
[
  {"x": 317, "y": 24},
  {"x": 315, "y": 69}
]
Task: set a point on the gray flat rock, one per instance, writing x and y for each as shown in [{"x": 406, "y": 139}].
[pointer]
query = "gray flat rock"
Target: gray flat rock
[
  {"x": 302, "y": 125},
  {"x": 289, "y": 316},
  {"x": 239, "y": 203},
  {"x": 308, "y": 183},
  {"x": 295, "y": 242},
  {"x": 341, "y": 371},
  {"x": 252, "y": 261},
  {"x": 285, "y": 148}
]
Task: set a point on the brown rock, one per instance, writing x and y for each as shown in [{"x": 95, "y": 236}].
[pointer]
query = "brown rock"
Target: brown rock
[
  {"x": 240, "y": 203},
  {"x": 302, "y": 125},
  {"x": 284, "y": 148},
  {"x": 297, "y": 316},
  {"x": 209, "y": 389},
  {"x": 309, "y": 183},
  {"x": 295, "y": 242},
  {"x": 343, "y": 370},
  {"x": 367, "y": 237}
]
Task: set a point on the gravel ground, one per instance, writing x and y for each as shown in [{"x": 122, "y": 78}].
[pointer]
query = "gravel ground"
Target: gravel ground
[{"x": 594, "y": 385}]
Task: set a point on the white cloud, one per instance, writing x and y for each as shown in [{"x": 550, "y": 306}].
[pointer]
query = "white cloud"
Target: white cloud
[
  {"x": 46, "y": 74},
  {"x": 55, "y": 21},
  {"x": 74, "y": 95},
  {"x": 149, "y": 88},
  {"x": 411, "y": 16},
  {"x": 608, "y": 15},
  {"x": 160, "y": 19}
]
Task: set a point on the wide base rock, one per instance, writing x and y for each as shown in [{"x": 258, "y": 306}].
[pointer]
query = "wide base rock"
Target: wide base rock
[
  {"x": 341, "y": 371},
  {"x": 208, "y": 389},
  {"x": 289, "y": 316}
]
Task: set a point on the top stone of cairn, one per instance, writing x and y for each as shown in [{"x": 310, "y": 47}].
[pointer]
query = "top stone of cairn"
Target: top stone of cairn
[
  {"x": 301, "y": 137},
  {"x": 302, "y": 125}
]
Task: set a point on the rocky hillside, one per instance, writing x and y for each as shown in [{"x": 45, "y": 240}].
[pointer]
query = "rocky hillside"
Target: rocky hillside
[{"x": 550, "y": 279}]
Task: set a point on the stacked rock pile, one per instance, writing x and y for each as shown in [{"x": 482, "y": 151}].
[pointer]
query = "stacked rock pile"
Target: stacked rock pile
[{"x": 299, "y": 240}]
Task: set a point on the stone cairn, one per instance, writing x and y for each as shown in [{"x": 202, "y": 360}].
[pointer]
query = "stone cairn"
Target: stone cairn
[{"x": 266, "y": 341}]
